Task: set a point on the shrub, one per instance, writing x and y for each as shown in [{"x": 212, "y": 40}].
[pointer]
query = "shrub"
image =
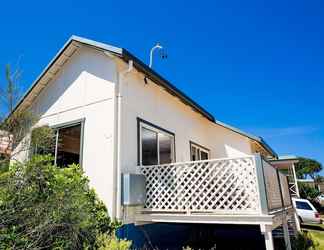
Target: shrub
[
  {"x": 45, "y": 207},
  {"x": 308, "y": 192},
  {"x": 304, "y": 241},
  {"x": 104, "y": 242}
]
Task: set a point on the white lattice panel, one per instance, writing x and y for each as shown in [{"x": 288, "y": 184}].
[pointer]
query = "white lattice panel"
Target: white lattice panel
[{"x": 222, "y": 185}]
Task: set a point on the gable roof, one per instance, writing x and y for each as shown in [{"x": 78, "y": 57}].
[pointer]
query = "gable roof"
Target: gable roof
[{"x": 75, "y": 42}]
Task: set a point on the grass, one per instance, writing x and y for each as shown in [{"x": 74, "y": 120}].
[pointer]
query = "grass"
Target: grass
[{"x": 317, "y": 233}]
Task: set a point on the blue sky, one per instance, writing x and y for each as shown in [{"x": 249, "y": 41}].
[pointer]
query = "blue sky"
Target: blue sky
[{"x": 257, "y": 65}]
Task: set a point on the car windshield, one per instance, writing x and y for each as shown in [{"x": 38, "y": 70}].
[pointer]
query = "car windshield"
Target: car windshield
[{"x": 303, "y": 205}]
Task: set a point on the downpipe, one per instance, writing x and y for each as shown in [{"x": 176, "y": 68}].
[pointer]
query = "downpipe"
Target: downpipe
[{"x": 119, "y": 95}]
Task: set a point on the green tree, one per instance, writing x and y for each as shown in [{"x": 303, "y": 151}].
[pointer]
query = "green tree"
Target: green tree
[
  {"x": 307, "y": 191},
  {"x": 9, "y": 90},
  {"x": 13, "y": 127},
  {"x": 307, "y": 167},
  {"x": 16, "y": 125},
  {"x": 45, "y": 207}
]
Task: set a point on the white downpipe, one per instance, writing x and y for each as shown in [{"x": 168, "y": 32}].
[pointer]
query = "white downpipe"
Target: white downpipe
[{"x": 119, "y": 95}]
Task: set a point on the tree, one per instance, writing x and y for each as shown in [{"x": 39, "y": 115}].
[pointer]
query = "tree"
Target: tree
[
  {"x": 308, "y": 192},
  {"x": 16, "y": 125},
  {"x": 9, "y": 91},
  {"x": 307, "y": 167},
  {"x": 45, "y": 207},
  {"x": 12, "y": 127}
]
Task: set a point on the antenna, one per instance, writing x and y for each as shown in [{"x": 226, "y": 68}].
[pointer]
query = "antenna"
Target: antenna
[{"x": 163, "y": 55}]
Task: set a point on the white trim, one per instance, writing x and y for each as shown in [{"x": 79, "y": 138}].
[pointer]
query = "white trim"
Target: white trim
[
  {"x": 209, "y": 160},
  {"x": 206, "y": 218}
]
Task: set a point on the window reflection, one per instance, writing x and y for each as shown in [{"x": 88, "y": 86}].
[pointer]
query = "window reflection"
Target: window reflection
[
  {"x": 149, "y": 147},
  {"x": 68, "y": 147},
  {"x": 156, "y": 146},
  {"x": 165, "y": 145}
]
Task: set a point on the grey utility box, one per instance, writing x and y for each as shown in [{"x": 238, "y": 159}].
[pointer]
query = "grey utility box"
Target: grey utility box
[{"x": 133, "y": 189}]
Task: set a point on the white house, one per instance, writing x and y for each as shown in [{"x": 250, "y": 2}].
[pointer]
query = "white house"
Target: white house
[{"x": 116, "y": 116}]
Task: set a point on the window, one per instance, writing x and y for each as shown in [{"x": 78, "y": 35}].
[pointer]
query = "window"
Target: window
[
  {"x": 198, "y": 152},
  {"x": 66, "y": 146},
  {"x": 156, "y": 145},
  {"x": 303, "y": 205}
]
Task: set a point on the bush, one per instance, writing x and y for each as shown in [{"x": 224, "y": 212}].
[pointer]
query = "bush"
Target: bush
[
  {"x": 45, "y": 207},
  {"x": 308, "y": 192},
  {"x": 104, "y": 242},
  {"x": 304, "y": 241}
]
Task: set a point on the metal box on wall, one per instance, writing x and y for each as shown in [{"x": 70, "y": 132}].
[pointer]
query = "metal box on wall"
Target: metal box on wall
[{"x": 133, "y": 189}]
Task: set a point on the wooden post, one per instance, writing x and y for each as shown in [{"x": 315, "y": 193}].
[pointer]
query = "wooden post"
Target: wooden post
[
  {"x": 295, "y": 179},
  {"x": 297, "y": 221},
  {"x": 266, "y": 230},
  {"x": 286, "y": 234}
]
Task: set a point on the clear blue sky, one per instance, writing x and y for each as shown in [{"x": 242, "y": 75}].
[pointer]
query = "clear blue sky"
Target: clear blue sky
[{"x": 257, "y": 65}]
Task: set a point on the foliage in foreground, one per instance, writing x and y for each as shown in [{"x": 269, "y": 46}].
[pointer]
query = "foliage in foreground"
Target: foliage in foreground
[
  {"x": 45, "y": 207},
  {"x": 106, "y": 242},
  {"x": 304, "y": 241}
]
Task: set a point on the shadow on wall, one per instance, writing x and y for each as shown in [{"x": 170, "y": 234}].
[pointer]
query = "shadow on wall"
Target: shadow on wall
[
  {"x": 76, "y": 81},
  {"x": 170, "y": 236}
]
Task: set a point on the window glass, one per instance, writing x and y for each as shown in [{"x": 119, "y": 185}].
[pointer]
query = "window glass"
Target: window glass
[
  {"x": 68, "y": 146},
  {"x": 43, "y": 141},
  {"x": 303, "y": 205},
  {"x": 198, "y": 153},
  {"x": 156, "y": 146},
  {"x": 64, "y": 145},
  {"x": 149, "y": 147},
  {"x": 194, "y": 155},
  {"x": 165, "y": 148},
  {"x": 204, "y": 155}
]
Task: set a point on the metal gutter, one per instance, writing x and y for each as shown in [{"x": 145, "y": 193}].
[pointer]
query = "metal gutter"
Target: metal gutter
[{"x": 286, "y": 158}]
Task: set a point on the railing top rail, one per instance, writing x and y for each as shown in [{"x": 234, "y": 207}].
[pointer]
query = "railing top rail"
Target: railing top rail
[{"x": 200, "y": 161}]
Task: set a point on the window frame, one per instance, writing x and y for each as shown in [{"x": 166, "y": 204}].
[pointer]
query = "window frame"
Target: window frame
[
  {"x": 201, "y": 148},
  {"x": 59, "y": 126},
  {"x": 157, "y": 129}
]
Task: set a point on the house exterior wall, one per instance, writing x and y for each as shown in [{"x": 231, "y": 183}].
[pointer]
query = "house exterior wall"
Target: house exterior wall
[
  {"x": 84, "y": 89},
  {"x": 151, "y": 103}
]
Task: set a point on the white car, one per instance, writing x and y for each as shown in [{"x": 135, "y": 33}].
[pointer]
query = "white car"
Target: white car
[
  {"x": 306, "y": 212},
  {"x": 320, "y": 199}
]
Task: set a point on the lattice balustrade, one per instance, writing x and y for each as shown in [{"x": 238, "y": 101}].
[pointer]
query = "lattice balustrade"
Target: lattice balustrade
[{"x": 221, "y": 185}]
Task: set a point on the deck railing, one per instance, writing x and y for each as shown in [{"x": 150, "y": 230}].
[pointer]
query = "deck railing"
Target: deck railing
[
  {"x": 219, "y": 186},
  {"x": 244, "y": 185},
  {"x": 277, "y": 187}
]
